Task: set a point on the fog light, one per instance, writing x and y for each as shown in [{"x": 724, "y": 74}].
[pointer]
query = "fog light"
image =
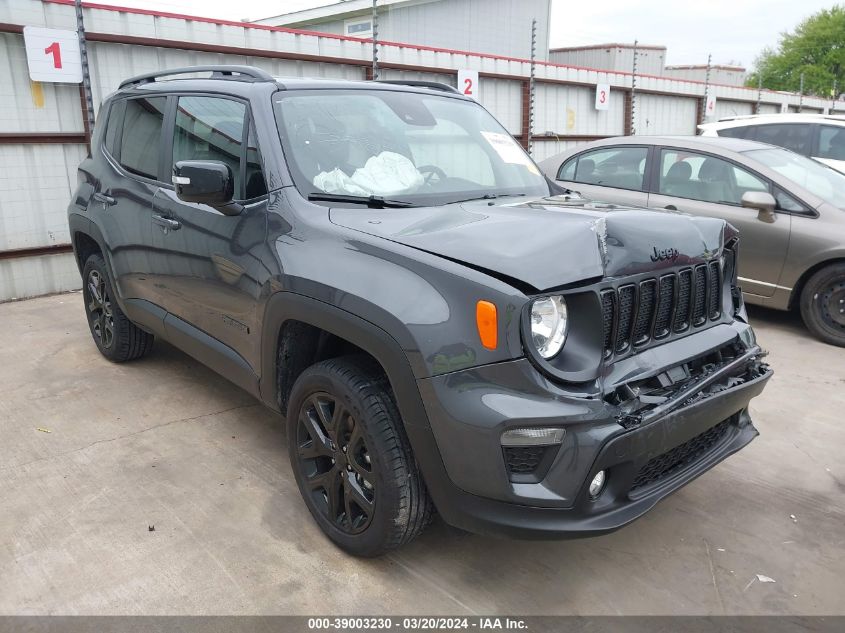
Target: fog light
[
  {"x": 597, "y": 484},
  {"x": 532, "y": 437}
]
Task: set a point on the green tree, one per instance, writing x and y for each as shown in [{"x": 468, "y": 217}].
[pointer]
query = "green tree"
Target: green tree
[{"x": 816, "y": 48}]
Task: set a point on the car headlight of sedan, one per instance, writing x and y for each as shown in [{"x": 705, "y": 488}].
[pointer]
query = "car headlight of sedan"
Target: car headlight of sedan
[{"x": 548, "y": 325}]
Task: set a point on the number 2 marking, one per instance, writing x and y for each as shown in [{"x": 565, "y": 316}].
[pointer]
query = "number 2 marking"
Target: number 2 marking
[
  {"x": 467, "y": 86},
  {"x": 55, "y": 50}
]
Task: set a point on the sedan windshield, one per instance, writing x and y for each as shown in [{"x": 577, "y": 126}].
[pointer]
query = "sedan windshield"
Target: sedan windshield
[
  {"x": 408, "y": 147},
  {"x": 817, "y": 178}
]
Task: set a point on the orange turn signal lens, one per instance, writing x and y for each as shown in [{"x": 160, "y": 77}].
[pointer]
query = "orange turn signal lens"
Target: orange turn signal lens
[{"x": 485, "y": 319}]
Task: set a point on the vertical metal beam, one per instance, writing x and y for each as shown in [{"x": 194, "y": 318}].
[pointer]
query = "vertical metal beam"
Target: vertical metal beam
[
  {"x": 85, "y": 91},
  {"x": 801, "y": 93},
  {"x": 375, "y": 40},
  {"x": 633, "y": 125},
  {"x": 531, "y": 87},
  {"x": 833, "y": 98},
  {"x": 759, "y": 93},
  {"x": 703, "y": 115}
]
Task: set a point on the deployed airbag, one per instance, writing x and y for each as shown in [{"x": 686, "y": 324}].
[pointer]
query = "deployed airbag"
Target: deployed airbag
[{"x": 387, "y": 174}]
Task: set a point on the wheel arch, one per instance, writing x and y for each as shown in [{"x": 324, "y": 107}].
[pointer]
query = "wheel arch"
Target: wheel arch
[
  {"x": 295, "y": 319},
  {"x": 798, "y": 288}
]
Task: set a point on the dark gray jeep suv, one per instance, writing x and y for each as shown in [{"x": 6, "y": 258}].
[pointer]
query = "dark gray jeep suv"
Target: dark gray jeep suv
[{"x": 442, "y": 327}]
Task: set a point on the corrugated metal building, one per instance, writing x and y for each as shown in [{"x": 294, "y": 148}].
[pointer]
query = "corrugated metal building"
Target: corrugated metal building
[
  {"x": 719, "y": 74},
  {"x": 43, "y": 136},
  {"x": 619, "y": 57},
  {"x": 496, "y": 27}
]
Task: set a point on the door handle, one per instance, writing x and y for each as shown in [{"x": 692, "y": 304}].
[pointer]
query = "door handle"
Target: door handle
[
  {"x": 671, "y": 207},
  {"x": 168, "y": 224},
  {"x": 103, "y": 199}
]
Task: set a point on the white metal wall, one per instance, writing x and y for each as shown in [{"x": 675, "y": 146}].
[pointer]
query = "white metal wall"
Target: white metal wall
[
  {"x": 732, "y": 108},
  {"x": 659, "y": 114},
  {"x": 570, "y": 110}
]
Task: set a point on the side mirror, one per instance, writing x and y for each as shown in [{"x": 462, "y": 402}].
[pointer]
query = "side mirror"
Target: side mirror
[
  {"x": 764, "y": 202},
  {"x": 206, "y": 182}
]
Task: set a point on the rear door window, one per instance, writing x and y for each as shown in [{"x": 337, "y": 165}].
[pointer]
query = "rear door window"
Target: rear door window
[
  {"x": 114, "y": 125},
  {"x": 792, "y": 136},
  {"x": 831, "y": 142},
  {"x": 707, "y": 178},
  {"x": 140, "y": 142},
  {"x": 619, "y": 167}
]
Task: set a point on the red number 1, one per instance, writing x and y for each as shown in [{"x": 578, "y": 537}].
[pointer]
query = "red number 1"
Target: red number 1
[{"x": 56, "y": 52}]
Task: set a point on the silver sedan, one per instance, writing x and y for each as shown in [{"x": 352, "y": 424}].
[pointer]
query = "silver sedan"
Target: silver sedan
[{"x": 790, "y": 210}]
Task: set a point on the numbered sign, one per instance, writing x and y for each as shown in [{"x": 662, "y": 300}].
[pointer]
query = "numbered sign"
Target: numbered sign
[
  {"x": 710, "y": 106},
  {"x": 784, "y": 108},
  {"x": 52, "y": 55},
  {"x": 602, "y": 96},
  {"x": 468, "y": 82}
]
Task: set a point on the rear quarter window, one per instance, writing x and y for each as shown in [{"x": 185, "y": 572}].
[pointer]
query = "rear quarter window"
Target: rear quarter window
[{"x": 734, "y": 132}]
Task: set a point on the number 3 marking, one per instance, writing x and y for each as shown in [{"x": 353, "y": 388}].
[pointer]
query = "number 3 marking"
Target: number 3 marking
[
  {"x": 467, "y": 86},
  {"x": 56, "y": 52},
  {"x": 602, "y": 96}
]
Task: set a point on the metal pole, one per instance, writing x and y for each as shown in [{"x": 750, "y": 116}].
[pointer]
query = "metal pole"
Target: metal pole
[
  {"x": 759, "y": 93},
  {"x": 375, "y": 40},
  {"x": 833, "y": 98},
  {"x": 801, "y": 94},
  {"x": 86, "y": 71},
  {"x": 531, "y": 86},
  {"x": 706, "y": 87},
  {"x": 634, "y": 90}
]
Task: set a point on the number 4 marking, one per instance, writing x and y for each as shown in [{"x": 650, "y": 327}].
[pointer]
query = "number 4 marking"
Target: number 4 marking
[{"x": 55, "y": 50}]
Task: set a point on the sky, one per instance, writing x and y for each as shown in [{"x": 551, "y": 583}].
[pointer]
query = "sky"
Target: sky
[{"x": 733, "y": 31}]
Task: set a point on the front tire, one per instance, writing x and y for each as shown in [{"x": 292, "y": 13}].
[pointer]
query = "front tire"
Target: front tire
[
  {"x": 351, "y": 458},
  {"x": 117, "y": 338},
  {"x": 823, "y": 304}
]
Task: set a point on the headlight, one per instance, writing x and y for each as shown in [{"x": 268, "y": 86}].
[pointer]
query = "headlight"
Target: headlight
[{"x": 548, "y": 325}]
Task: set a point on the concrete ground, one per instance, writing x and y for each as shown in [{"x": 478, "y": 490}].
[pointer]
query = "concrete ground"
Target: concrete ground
[{"x": 164, "y": 442}]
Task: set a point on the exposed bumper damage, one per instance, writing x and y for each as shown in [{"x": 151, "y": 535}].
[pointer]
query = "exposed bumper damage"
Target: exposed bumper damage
[
  {"x": 643, "y": 401},
  {"x": 651, "y": 433}
]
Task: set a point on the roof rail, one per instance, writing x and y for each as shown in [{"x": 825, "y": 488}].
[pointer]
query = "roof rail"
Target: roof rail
[
  {"x": 434, "y": 85},
  {"x": 242, "y": 73}
]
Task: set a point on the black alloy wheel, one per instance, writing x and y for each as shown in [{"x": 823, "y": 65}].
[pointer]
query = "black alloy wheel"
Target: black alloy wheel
[
  {"x": 336, "y": 462},
  {"x": 100, "y": 314},
  {"x": 117, "y": 338},
  {"x": 352, "y": 460}
]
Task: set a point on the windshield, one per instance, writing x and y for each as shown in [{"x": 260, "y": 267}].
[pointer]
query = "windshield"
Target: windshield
[
  {"x": 415, "y": 148},
  {"x": 817, "y": 178}
]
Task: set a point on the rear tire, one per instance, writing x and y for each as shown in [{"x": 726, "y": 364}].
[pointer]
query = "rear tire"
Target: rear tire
[
  {"x": 823, "y": 304},
  {"x": 351, "y": 458},
  {"x": 117, "y": 338}
]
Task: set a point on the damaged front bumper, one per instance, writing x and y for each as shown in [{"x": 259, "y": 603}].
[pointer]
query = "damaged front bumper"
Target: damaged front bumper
[{"x": 656, "y": 425}]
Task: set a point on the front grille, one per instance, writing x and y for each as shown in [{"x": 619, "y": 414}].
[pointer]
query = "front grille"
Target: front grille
[
  {"x": 681, "y": 456},
  {"x": 700, "y": 303},
  {"x": 645, "y": 309},
  {"x": 627, "y": 295},
  {"x": 523, "y": 460},
  {"x": 684, "y": 297},
  {"x": 635, "y": 314},
  {"x": 713, "y": 286}
]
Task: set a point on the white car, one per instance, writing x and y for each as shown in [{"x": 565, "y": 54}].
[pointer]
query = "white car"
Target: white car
[{"x": 814, "y": 135}]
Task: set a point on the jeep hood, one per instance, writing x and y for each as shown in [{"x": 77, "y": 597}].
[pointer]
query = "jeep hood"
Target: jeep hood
[{"x": 547, "y": 243}]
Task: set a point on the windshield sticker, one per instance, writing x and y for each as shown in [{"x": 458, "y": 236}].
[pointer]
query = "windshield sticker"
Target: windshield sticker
[{"x": 509, "y": 150}]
